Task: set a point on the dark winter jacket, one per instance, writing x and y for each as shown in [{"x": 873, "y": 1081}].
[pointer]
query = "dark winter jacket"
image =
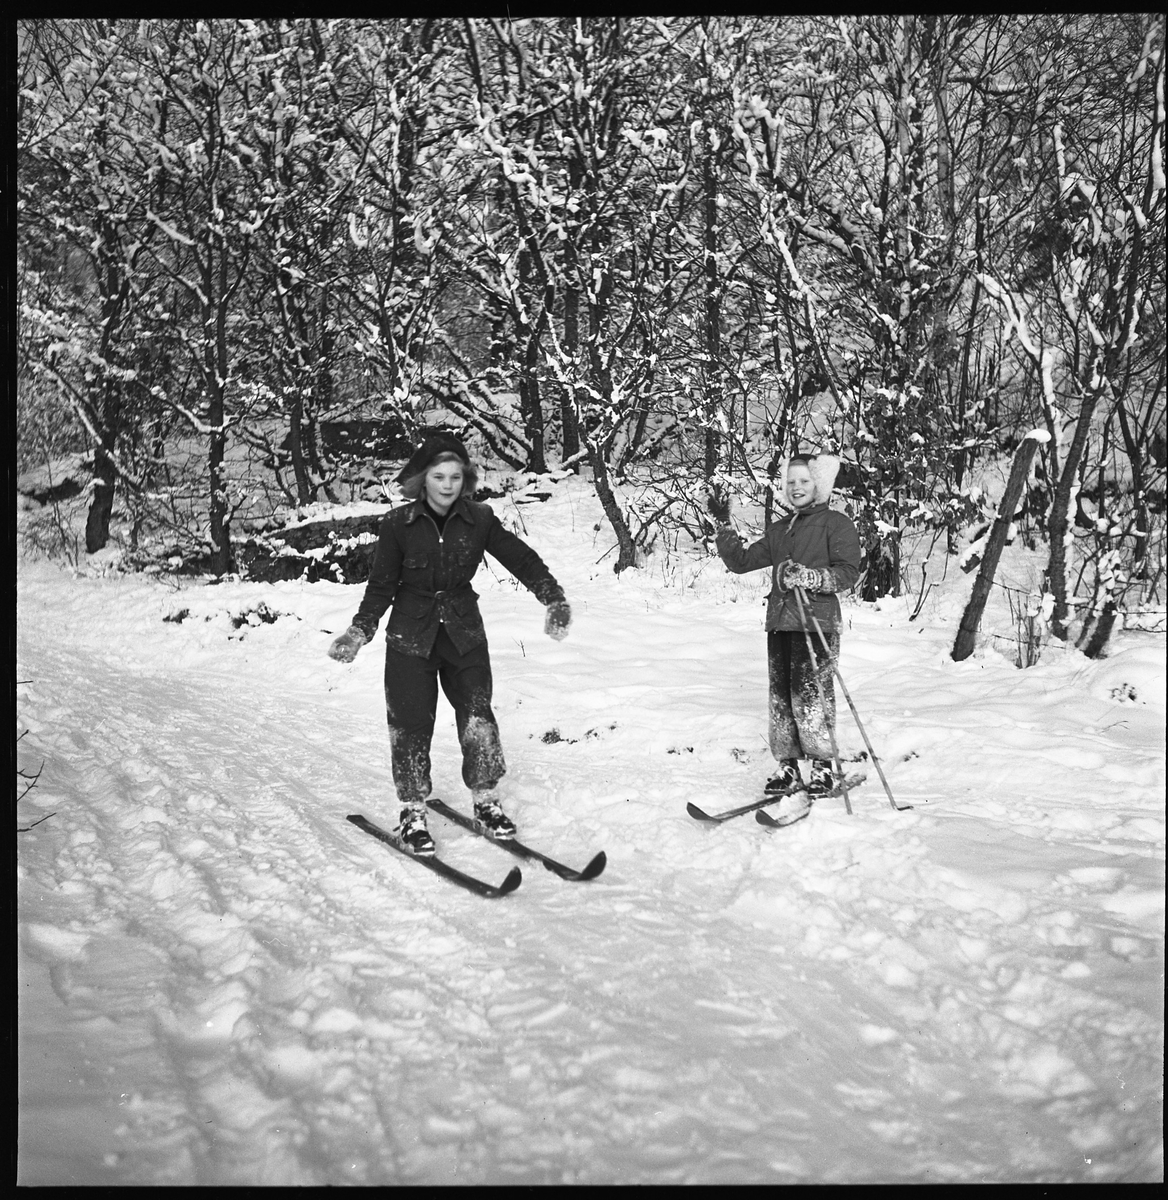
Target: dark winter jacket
[
  {"x": 815, "y": 537},
  {"x": 426, "y": 575}
]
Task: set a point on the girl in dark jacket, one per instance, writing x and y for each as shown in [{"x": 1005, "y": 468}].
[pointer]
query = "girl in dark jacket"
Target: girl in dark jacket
[
  {"x": 427, "y": 554},
  {"x": 817, "y": 550}
]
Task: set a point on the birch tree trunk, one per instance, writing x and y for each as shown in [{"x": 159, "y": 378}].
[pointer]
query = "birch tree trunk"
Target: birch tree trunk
[
  {"x": 971, "y": 618},
  {"x": 1059, "y": 524}
]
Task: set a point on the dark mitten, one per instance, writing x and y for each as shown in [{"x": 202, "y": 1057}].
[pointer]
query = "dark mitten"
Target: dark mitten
[
  {"x": 559, "y": 617},
  {"x": 718, "y": 504}
]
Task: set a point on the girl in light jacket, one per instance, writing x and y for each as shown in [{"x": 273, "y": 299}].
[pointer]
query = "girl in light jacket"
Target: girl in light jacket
[{"x": 817, "y": 550}]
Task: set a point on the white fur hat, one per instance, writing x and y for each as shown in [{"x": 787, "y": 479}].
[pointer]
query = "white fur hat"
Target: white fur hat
[{"x": 823, "y": 468}]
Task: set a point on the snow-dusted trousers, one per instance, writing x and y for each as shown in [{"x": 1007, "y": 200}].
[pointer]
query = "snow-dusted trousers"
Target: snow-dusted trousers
[
  {"x": 411, "y": 704},
  {"x": 802, "y": 700}
]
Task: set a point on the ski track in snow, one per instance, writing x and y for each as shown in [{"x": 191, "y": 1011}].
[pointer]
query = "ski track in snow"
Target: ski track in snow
[{"x": 222, "y": 982}]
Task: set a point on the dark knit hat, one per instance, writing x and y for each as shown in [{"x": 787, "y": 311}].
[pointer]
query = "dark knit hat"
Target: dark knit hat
[{"x": 428, "y": 451}]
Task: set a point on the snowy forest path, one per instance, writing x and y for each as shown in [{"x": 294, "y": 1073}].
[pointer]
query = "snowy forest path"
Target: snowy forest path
[
  {"x": 252, "y": 929},
  {"x": 261, "y": 994}
]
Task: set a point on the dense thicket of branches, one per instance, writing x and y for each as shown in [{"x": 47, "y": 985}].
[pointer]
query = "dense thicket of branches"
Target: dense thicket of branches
[{"x": 662, "y": 250}]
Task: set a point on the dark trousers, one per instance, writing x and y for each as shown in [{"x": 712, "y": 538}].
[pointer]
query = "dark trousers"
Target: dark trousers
[
  {"x": 802, "y": 699},
  {"x": 411, "y": 704}
]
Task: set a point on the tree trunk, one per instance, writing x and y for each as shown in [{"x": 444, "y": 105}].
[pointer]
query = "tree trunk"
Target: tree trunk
[
  {"x": 882, "y": 578},
  {"x": 1139, "y": 494},
  {"x": 570, "y": 427},
  {"x": 1058, "y": 526},
  {"x": 568, "y": 421},
  {"x": 530, "y": 401},
  {"x": 107, "y": 404},
  {"x": 528, "y": 337},
  {"x": 712, "y": 307},
  {"x": 305, "y": 493},
  {"x": 101, "y": 507},
  {"x": 627, "y": 549},
  {"x": 971, "y": 618},
  {"x": 531, "y": 408},
  {"x": 1096, "y": 642},
  {"x": 105, "y": 476},
  {"x": 220, "y": 529},
  {"x": 215, "y": 377}
]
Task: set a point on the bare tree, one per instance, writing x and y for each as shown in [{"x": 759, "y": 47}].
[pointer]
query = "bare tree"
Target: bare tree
[
  {"x": 79, "y": 237},
  {"x": 1083, "y": 302}
]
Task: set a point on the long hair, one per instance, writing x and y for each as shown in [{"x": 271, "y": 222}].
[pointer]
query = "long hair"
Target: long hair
[{"x": 411, "y": 487}]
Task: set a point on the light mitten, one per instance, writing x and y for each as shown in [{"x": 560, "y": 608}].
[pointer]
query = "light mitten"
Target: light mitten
[{"x": 344, "y": 648}]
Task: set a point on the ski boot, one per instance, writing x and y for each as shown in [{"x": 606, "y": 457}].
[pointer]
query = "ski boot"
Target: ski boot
[
  {"x": 822, "y": 779},
  {"x": 490, "y": 815},
  {"x": 786, "y": 780},
  {"x": 412, "y": 831}
]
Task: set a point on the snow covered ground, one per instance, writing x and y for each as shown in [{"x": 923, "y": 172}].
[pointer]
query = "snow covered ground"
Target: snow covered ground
[{"x": 223, "y": 982}]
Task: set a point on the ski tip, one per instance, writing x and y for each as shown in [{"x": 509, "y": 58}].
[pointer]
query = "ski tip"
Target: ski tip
[
  {"x": 595, "y": 866},
  {"x": 513, "y": 880},
  {"x": 777, "y": 822},
  {"x": 696, "y": 813},
  {"x": 356, "y": 818}
]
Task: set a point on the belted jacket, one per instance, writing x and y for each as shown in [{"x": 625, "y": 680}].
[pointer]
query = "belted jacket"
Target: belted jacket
[
  {"x": 814, "y": 537},
  {"x": 425, "y": 574}
]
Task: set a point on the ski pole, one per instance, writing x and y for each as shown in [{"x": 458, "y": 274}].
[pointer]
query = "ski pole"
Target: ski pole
[
  {"x": 835, "y": 754},
  {"x": 799, "y": 593}
]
